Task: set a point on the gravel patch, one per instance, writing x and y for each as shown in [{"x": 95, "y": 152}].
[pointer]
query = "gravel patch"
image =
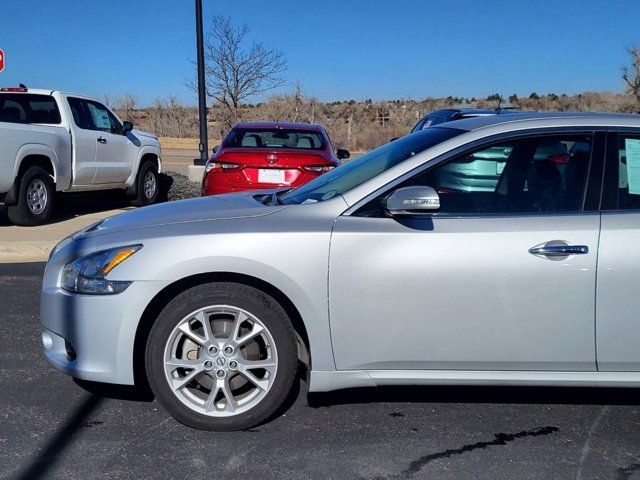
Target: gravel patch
[{"x": 179, "y": 187}]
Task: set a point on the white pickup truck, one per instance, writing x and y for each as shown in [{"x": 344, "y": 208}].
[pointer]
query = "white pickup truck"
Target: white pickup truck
[{"x": 53, "y": 142}]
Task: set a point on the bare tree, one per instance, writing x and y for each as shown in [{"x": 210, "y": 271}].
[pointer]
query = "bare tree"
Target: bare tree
[
  {"x": 236, "y": 70},
  {"x": 125, "y": 104},
  {"x": 295, "y": 107},
  {"x": 157, "y": 117},
  {"x": 631, "y": 76},
  {"x": 178, "y": 114}
]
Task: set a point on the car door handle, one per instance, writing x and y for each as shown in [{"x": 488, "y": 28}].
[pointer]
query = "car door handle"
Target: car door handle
[
  {"x": 102, "y": 140},
  {"x": 547, "y": 250}
]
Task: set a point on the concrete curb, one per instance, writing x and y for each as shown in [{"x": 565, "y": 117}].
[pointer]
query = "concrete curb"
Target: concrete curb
[{"x": 195, "y": 172}]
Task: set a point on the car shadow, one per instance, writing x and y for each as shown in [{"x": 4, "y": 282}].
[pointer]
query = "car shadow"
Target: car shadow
[
  {"x": 478, "y": 394},
  {"x": 412, "y": 394},
  {"x": 73, "y": 205},
  {"x": 76, "y": 205},
  {"x": 117, "y": 392}
]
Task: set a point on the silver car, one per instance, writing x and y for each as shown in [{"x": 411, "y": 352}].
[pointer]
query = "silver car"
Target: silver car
[{"x": 373, "y": 274}]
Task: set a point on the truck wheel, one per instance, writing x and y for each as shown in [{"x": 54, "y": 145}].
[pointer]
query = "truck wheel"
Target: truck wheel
[
  {"x": 35, "y": 198},
  {"x": 148, "y": 185}
]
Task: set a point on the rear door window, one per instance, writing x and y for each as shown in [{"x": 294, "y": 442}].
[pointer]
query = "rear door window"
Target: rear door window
[
  {"x": 622, "y": 175},
  {"x": 29, "y": 108},
  {"x": 79, "y": 113}
]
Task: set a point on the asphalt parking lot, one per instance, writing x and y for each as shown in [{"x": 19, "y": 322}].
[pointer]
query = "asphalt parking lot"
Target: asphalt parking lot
[{"x": 50, "y": 427}]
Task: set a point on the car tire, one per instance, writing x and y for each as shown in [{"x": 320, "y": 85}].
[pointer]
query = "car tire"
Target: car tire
[
  {"x": 147, "y": 185},
  {"x": 36, "y": 192},
  {"x": 210, "y": 394}
]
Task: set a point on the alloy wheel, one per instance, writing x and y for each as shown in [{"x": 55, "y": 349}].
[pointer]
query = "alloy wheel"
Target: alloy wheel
[
  {"x": 149, "y": 184},
  {"x": 220, "y": 361}
]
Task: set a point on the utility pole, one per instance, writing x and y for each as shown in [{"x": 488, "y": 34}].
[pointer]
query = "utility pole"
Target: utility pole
[{"x": 202, "y": 95}]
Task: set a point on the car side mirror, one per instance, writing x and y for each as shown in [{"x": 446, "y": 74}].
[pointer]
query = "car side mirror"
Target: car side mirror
[
  {"x": 126, "y": 127},
  {"x": 342, "y": 154},
  {"x": 413, "y": 201},
  {"x": 215, "y": 149}
]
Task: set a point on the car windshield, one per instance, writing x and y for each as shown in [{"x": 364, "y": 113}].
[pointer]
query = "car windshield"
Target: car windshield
[
  {"x": 358, "y": 171},
  {"x": 274, "y": 138}
]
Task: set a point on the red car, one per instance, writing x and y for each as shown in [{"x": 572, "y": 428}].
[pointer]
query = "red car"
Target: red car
[{"x": 269, "y": 155}]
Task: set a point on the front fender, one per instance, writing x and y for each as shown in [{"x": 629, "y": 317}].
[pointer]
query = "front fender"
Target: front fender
[
  {"x": 296, "y": 265},
  {"x": 312, "y": 309},
  {"x": 144, "y": 150}
]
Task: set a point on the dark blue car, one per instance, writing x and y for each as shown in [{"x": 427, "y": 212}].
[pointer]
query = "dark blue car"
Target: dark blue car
[{"x": 451, "y": 114}]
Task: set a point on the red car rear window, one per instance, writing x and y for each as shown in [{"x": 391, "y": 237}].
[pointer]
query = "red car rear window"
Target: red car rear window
[{"x": 274, "y": 138}]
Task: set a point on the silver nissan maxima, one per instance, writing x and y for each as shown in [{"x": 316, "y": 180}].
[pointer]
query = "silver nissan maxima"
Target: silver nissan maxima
[{"x": 379, "y": 272}]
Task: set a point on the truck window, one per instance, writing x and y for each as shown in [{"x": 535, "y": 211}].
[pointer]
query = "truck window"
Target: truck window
[
  {"x": 102, "y": 119},
  {"x": 79, "y": 113},
  {"x": 29, "y": 108}
]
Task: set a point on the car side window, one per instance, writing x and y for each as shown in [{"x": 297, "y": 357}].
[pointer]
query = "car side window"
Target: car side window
[
  {"x": 432, "y": 121},
  {"x": 622, "y": 178},
  {"x": 427, "y": 122},
  {"x": 116, "y": 126},
  {"x": 79, "y": 113},
  {"x": 530, "y": 175},
  {"x": 102, "y": 119}
]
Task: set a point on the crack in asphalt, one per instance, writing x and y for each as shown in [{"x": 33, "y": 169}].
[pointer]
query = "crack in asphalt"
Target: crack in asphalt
[
  {"x": 500, "y": 439},
  {"x": 586, "y": 449}
]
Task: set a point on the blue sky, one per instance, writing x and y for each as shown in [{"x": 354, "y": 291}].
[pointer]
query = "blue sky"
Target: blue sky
[{"x": 337, "y": 49}]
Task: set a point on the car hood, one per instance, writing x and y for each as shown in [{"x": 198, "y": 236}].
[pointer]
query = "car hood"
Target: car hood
[
  {"x": 143, "y": 134},
  {"x": 221, "y": 207}
]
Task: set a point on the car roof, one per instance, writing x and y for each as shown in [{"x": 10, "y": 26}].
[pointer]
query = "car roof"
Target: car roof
[
  {"x": 48, "y": 91},
  {"x": 284, "y": 125},
  {"x": 468, "y": 112},
  {"x": 518, "y": 121},
  {"x": 486, "y": 111}
]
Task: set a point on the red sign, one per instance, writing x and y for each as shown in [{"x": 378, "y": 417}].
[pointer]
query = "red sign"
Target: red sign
[{"x": 1, "y": 60}]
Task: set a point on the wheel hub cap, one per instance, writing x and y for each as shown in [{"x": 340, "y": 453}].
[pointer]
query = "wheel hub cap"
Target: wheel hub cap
[
  {"x": 37, "y": 196},
  {"x": 149, "y": 184}
]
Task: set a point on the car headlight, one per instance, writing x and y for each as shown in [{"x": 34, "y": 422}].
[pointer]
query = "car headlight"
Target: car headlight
[{"x": 88, "y": 274}]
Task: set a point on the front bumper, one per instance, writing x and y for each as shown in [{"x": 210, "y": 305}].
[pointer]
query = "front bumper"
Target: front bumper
[{"x": 98, "y": 330}]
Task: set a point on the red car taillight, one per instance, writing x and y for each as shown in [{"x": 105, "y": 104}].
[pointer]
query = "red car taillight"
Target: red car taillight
[
  {"x": 221, "y": 166},
  {"x": 318, "y": 169}
]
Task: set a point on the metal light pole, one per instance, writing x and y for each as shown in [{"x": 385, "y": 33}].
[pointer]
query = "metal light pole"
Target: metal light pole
[{"x": 202, "y": 99}]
